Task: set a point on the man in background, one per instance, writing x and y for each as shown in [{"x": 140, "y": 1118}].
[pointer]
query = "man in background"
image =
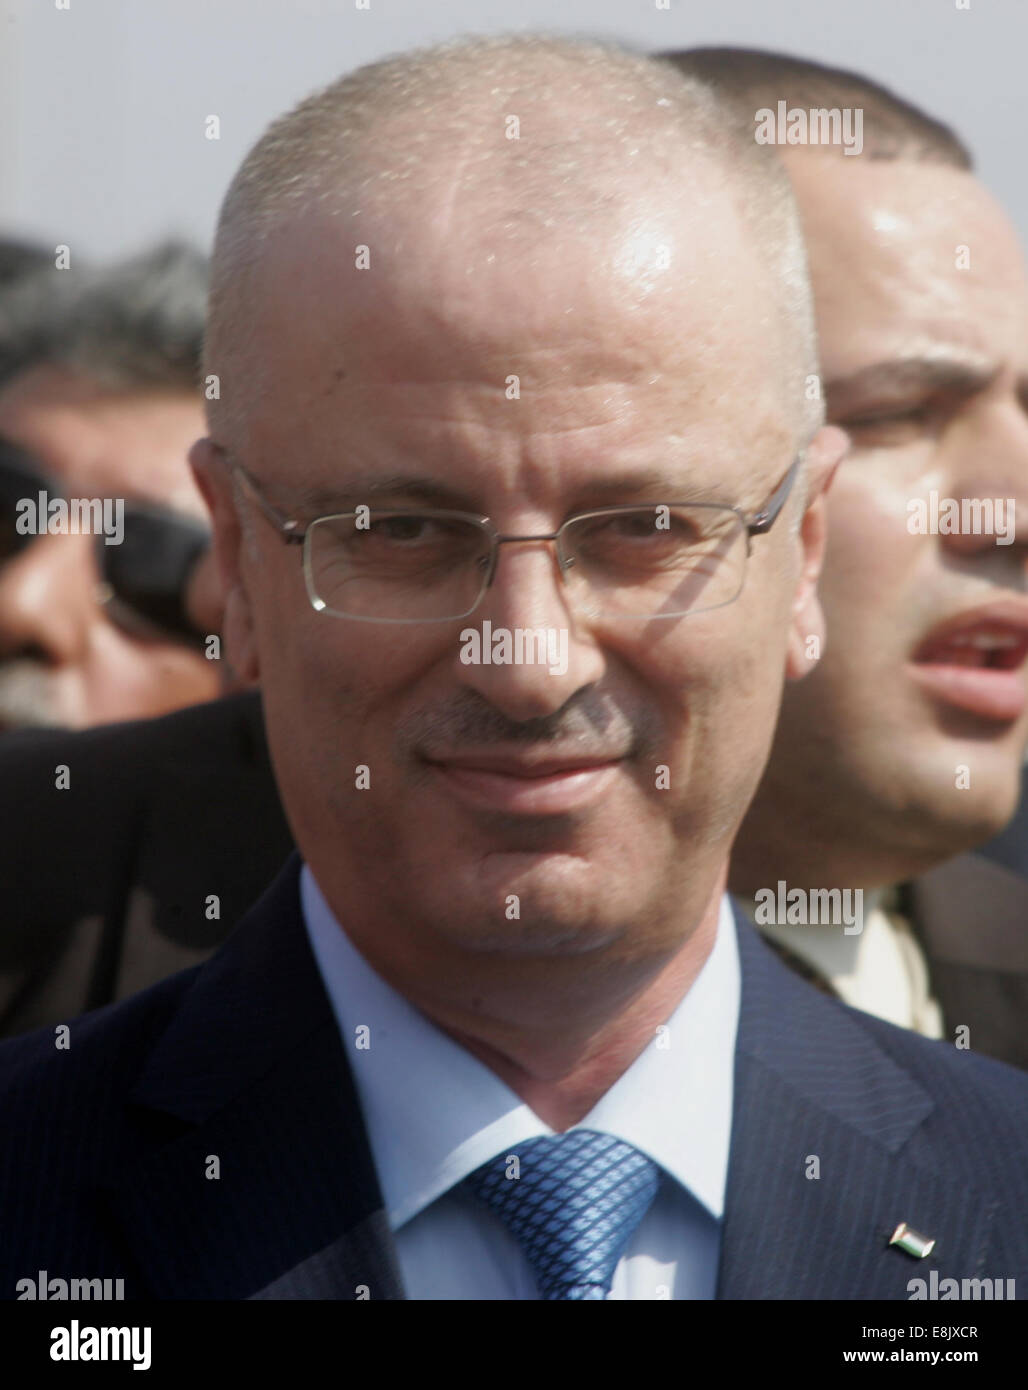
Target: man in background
[
  {"x": 100, "y": 521},
  {"x": 904, "y": 746}
]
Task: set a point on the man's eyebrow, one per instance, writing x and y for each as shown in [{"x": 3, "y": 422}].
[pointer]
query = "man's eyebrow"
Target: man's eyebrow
[
  {"x": 364, "y": 490},
  {"x": 964, "y": 376},
  {"x": 654, "y": 485}
]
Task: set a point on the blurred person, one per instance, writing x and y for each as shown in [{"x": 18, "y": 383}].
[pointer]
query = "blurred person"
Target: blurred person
[
  {"x": 167, "y": 830},
  {"x": 904, "y": 747},
  {"x": 512, "y": 874},
  {"x": 99, "y": 386},
  {"x": 18, "y": 258},
  {"x": 99, "y": 403}
]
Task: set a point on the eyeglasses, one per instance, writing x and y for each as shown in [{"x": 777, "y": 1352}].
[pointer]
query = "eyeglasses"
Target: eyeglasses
[
  {"x": 415, "y": 565},
  {"x": 143, "y": 578}
]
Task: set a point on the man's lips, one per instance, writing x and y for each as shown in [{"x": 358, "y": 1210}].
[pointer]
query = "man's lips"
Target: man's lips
[
  {"x": 974, "y": 660},
  {"x": 540, "y": 786}
]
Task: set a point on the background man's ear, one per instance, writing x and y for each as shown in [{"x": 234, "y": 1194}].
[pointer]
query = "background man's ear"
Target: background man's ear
[
  {"x": 807, "y": 627},
  {"x": 214, "y": 480}
]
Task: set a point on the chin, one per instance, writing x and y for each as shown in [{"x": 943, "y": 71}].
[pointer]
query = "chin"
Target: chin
[
  {"x": 523, "y": 903},
  {"x": 986, "y": 821},
  {"x": 539, "y": 936},
  {"x": 947, "y": 825}
]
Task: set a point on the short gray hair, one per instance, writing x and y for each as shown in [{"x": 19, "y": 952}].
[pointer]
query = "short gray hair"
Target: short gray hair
[
  {"x": 136, "y": 325},
  {"x": 893, "y": 128},
  {"x": 378, "y": 131}
]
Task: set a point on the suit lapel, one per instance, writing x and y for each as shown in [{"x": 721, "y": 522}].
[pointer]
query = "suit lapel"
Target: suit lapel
[
  {"x": 815, "y": 1094},
  {"x": 253, "y": 1163}
]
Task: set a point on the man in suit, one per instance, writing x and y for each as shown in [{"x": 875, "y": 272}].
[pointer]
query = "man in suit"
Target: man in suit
[
  {"x": 905, "y": 746},
  {"x": 498, "y": 1033}
]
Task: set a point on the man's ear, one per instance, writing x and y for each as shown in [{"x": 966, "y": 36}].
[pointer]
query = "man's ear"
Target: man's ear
[
  {"x": 807, "y": 627},
  {"x": 215, "y": 483}
]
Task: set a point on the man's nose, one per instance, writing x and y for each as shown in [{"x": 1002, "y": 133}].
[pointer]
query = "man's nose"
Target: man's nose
[
  {"x": 533, "y": 651},
  {"x": 47, "y": 599}
]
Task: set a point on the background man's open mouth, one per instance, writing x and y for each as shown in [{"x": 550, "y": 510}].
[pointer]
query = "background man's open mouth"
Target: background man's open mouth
[{"x": 977, "y": 666}]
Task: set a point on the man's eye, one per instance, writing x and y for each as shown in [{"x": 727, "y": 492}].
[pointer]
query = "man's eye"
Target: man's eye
[
  {"x": 401, "y": 528},
  {"x": 654, "y": 536},
  {"x": 415, "y": 536},
  {"x": 656, "y": 527},
  {"x": 888, "y": 417},
  {"x": 631, "y": 526},
  {"x": 887, "y": 426},
  {"x": 403, "y": 531}
]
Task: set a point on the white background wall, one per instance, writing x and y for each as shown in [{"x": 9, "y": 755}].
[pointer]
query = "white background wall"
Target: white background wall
[{"x": 102, "y": 106}]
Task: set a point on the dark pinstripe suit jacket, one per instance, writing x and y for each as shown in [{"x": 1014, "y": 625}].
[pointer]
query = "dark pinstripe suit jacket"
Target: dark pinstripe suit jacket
[{"x": 107, "y": 1144}]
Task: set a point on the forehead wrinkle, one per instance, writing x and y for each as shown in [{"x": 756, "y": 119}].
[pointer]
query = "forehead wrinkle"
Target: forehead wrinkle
[{"x": 635, "y": 426}]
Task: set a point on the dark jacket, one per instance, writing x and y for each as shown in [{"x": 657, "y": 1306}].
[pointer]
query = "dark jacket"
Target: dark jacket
[
  {"x": 107, "y": 1144},
  {"x": 105, "y": 887}
]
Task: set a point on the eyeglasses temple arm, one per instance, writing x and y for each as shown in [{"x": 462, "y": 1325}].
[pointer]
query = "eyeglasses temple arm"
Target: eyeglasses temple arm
[
  {"x": 764, "y": 519},
  {"x": 287, "y": 528}
]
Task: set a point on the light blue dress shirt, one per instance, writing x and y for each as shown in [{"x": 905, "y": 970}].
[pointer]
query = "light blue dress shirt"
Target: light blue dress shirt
[{"x": 434, "y": 1113}]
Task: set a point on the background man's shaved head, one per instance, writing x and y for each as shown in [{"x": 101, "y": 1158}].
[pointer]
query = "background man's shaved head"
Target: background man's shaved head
[
  {"x": 414, "y": 153},
  {"x": 924, "y": 360},
  {"x": 750, "y": 79}
]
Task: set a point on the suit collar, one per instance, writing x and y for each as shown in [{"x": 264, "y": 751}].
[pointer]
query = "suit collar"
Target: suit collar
[
  {"x": 778, "y": 1017},
  {"x": 432, "y": 1124},
  {"x": 260, "y": 995}
]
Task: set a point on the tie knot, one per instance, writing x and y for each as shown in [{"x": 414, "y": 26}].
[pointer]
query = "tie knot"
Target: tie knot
[{"x": 572, "y": 1201}]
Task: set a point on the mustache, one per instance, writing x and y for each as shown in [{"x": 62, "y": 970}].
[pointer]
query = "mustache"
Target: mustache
[
  {"x": 591, "y": 725},
  {"x": 27, "y": 696}
]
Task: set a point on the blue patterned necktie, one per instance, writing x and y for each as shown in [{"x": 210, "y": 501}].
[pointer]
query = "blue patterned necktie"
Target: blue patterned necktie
[{"x": 573, "y": 1207}]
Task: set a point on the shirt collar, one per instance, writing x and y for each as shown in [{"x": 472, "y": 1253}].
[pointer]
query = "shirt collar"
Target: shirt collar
[{"x": 434, "y": 1112}]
